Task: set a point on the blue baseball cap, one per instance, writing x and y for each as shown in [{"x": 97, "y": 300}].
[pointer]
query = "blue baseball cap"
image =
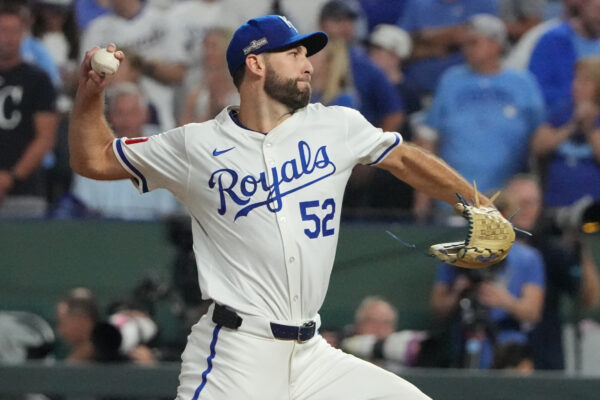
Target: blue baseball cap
[{"x": 269, "y": 33}]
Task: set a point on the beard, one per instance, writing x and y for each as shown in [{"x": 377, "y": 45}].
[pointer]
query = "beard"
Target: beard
[{"x": 286, "y": 91}]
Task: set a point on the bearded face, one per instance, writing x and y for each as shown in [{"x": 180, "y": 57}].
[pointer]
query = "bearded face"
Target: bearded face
[{"x": 286, "y": 91}]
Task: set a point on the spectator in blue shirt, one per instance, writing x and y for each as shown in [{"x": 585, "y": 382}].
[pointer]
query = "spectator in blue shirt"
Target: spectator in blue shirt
[
  {"x": 382, "y": 12},
  {"x": 569, "y": 266},
  {"x": 568, "y": 144},
  {"x": 379, "y": 102},
  {"x": 389, "y": 47},
  {"x": 438, "y": 32},
  {"x": 483, "y": 115},
  {"x": 553, "y": 59},
  {"x": 332, "y": 81},
  {"x": 507, "y": 299}
]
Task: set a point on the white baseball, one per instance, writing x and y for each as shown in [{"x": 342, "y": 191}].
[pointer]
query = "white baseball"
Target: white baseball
[{"x": 104, "y": 62}]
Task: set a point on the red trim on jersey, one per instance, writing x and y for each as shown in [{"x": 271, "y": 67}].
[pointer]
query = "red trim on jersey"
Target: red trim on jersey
[{"x": 136, "y": 140}]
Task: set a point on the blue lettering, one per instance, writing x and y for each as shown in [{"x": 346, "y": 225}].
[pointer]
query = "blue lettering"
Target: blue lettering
[
  {"x": 229, "y": 190},
  {"x": 290, "y": 171}
]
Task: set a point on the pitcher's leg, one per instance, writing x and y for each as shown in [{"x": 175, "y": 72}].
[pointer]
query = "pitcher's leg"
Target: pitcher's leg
[
  {"x": 322, "y": 372},
  {"x": 219, "y": 363}
]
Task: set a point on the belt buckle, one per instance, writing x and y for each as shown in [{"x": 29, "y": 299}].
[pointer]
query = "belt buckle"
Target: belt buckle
[{"x": 309, "y": 325}]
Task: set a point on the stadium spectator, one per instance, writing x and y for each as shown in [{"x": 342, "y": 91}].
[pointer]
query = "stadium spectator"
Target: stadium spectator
[
  {"x": 27, "y": 123},
  {"x": 513, "y": 356},
  {"x": 570, "y": 270},
  {"x": 491, "y": 306},
  {"x": 568, "y": 144},
  {"x": 215, "y": 90},
  {"x": 33, "y": 50},
  {"x": 88, "y": 10},
  {"x": 303, "y": 14},
  {"x": 375, "y": 336},
  {"x": 554, "y": 57},
  {"x": 483, "y": 115},
  {"x": 76, "y": 315},
  {"x": 379, "y": 12},
  {"x": 332, "y": 80},
  {"x": 189, "y": 21},
  {"x": 141, "y": 29},
  {"x": 521, "y": 16},
  {"x": 379, "y": 102},
  {"x": 127, "y": 112},
  {"x": 388, "y": 47},
  {"x": 520, "y": 54},
  {"x": 438, "y": 33},
  {"x": 54, "y": 25}
]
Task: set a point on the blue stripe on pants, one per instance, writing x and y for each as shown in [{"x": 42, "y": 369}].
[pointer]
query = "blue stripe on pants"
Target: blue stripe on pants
[{"x": 209, "y": 362}]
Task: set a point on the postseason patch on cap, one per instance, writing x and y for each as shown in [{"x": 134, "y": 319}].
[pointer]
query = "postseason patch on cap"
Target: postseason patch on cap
[{"x": 255, "y": 45}]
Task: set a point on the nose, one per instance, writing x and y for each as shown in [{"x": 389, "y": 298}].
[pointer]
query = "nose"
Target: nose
[{"x": 308, "y": 69}]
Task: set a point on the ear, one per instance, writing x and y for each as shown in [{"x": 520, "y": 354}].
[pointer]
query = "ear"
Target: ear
[{"x": 256, "y": 64}]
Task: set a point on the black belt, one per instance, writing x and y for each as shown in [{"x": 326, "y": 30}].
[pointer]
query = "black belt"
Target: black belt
[{"x": 229, "y": 319}]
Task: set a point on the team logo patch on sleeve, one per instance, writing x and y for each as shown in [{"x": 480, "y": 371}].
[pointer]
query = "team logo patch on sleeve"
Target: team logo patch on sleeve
[{"x": 136, "y": 140}]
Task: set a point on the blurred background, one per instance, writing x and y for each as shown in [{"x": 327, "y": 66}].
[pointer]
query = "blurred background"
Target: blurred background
[{"x": 99, "y": 282}]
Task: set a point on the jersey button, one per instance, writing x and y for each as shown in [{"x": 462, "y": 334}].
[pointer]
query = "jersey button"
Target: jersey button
[
  {"x": 292, "y": 259},
  {"x": 268, "y": 144},
  {"x": 282, "y": 219},
  {"x": 295, "y": 298}
]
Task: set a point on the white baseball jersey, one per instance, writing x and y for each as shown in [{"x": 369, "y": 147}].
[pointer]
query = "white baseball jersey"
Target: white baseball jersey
[
  {"x": 149, "y": 36},
  {"x": 265, "y": 208}
]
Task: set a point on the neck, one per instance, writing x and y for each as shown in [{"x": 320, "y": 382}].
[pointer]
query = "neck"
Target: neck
[
  {"x": 394, "y": 74},
  {"x": 259, "y": 112},
  {"x": 489, "y": 67}
]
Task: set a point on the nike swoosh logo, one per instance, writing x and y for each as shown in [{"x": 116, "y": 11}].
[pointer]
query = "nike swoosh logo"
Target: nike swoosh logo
[{"x": 219, "y": 152}]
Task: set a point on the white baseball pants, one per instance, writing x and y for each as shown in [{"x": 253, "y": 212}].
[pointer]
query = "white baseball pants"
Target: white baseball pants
[{"x": 249, "y": 364}]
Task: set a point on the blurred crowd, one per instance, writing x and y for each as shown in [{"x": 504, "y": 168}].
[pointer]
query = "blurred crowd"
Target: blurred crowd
[
  {"x": 505, "y": 91},
  {"x": 494, "y": 87}
]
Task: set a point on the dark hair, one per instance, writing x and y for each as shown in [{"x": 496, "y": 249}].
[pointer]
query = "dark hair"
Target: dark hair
[
  {"x": 69, "y": 28},
  {"x": 15, "y": 8},
  {"x": 238, "y": 76},
  {"x": 510, "y": 355}
]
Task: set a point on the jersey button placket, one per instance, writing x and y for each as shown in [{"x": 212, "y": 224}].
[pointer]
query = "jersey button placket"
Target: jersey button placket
[{"x": 291, "y": 263}]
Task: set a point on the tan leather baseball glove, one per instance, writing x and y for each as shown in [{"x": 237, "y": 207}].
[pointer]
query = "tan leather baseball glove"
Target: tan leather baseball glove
[{"x": 489, "y": 239}]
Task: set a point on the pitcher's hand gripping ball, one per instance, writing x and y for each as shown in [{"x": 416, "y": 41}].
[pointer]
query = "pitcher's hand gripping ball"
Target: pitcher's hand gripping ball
[
  {"x": 105, "y": 62},
  {"x": 489, "y": 239}
]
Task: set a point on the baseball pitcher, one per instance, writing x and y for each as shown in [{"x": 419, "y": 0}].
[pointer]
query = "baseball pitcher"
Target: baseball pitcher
[{"x": 263, "y": 183}]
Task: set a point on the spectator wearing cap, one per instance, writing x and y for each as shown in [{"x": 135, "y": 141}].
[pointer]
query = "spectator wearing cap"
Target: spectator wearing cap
[
  {"x": 379, "y": 102},
  {"x": 388, "y": 47},
  {"x": 438, "y": 32},
  {"x": 483, "y": 115}
]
